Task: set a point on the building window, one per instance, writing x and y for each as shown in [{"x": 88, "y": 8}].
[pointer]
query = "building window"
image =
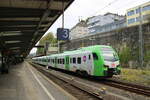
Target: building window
[
  {"x": 146, "y": 17},
  {"x": 137, "y": 19},
  {"x": 130, "y": 13},
  {"x": 146, "y": 8},
  {"x": 79, "y": 60},
  {"x": 130, "y": 21},
  {"x": 137, "y": 10},
  {"x": 74, "y": 60}
]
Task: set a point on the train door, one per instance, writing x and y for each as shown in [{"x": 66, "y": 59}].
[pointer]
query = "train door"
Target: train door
[
  {"x": 67, "y": 62},
  {"x": 96, "y": 61},
  {"x": 90, "y": 65}
]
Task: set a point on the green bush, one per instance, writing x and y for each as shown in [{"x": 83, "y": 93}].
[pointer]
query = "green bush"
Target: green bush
[
  {"x": 125, "y": 56},
  {"x": 147, "y": 56}
]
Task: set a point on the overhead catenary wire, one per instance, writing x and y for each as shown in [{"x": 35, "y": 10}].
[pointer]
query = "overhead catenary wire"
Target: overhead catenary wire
[
  {"x": 121, "y": 5},
  {"x": 107, "y": 5}
]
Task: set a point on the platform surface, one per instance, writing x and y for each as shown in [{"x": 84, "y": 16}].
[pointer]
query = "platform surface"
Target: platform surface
[{"x": 25, "y": 83}]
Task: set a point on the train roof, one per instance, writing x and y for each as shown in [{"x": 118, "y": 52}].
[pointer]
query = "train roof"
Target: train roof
[
  {"x": 82, "y": 50},
  {"x": 70, "y": 52}
]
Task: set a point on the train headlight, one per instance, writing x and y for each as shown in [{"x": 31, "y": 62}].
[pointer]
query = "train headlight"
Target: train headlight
[
  {"x": 118, "y": 65},
  {"x": 106, "y": 66}
]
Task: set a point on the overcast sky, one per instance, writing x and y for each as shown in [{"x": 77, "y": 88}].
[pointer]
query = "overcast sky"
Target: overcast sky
[{"x": 87, "y": 8}]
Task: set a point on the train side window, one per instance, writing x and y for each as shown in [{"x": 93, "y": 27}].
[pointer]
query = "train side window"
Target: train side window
[
  {"x": 79, "y": 60},
  {"x": 49, "y": 60},
  {"x": 95, "y": 57},
  {"x": 70, "y": 60},
  {"x": 63, "y": 61},
  {"x": 60, "y": 61},
  {"x": 89, "y": 57},
  {"x": 74, "y": 60}
]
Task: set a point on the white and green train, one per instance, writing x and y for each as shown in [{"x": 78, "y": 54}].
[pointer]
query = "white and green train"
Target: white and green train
[{"x": 97, "y": 60}]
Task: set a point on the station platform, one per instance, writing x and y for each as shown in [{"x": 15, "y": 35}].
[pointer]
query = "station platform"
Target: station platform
[{"x": 24, "y": 82}]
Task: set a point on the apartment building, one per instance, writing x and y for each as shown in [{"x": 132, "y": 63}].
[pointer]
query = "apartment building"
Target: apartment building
[
  {"x": 79, "y": 30},
  {"x": 133, "y": 15}
]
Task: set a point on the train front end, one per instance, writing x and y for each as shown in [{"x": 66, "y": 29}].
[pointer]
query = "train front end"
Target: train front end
[{"x": 111, "y": 62}]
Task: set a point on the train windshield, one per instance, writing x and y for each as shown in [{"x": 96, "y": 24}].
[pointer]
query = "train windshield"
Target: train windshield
[{"x": 109, "y": 54}]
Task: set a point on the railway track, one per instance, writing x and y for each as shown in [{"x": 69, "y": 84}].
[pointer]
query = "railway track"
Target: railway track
[
  {"x": 143, "y": 90},
  {"x": 134, "y": 88},
  {"x": 92, "y": 92}
]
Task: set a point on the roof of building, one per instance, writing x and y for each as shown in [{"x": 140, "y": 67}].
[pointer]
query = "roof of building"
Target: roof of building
[{"x": 82, "y": 23}]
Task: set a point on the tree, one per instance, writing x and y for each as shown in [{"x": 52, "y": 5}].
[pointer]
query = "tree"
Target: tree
[{"x": 47, "y": 38}]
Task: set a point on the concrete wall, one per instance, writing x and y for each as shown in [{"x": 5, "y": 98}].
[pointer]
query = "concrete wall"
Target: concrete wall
[{"x": 122, "y": 40}]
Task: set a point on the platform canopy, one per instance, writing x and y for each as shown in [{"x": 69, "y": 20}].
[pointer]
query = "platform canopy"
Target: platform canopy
[{"x": 24, "y": 22}]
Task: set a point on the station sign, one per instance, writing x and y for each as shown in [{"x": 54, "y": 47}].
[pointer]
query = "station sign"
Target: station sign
[{"x": 62, "y": 34}]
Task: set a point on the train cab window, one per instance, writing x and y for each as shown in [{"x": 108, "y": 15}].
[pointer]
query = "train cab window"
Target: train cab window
[
  {"x": 74, "y": 60},
  {"x": 79, "y": 60},
  {"x": 89, "y": 57},
  {"x": 95, "y": 57}
]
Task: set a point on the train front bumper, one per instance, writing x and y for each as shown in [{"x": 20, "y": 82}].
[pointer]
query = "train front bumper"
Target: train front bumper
[{"x": 112, "y": 71}]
